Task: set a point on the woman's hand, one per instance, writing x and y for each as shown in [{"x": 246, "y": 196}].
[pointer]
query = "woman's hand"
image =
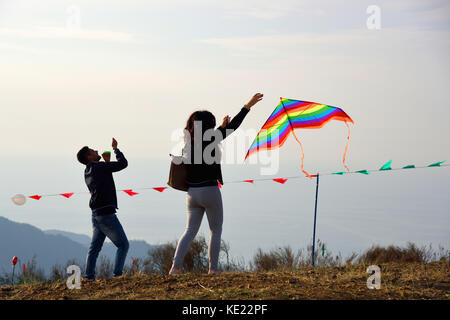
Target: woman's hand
[
  {"x": 225, "y": 121},
  {"x": 254, "y": 100}
]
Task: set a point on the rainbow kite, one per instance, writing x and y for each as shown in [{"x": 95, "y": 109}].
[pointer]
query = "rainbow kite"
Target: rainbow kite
[{"x": 295, "y": 114}]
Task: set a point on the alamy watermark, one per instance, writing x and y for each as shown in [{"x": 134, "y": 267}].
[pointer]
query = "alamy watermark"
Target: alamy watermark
[
  {"x": 374, "y": 20},
  {"x": 205, "y": 146},
  {"x": 74, "y": 279},
  {"x": 73, "y": 21},
  {"x": 374, "y": 281}
]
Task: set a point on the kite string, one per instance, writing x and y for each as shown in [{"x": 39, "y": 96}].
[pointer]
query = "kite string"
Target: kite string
[{"x": 346, "y": 146}]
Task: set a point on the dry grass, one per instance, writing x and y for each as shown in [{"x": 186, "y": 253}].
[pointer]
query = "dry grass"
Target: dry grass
[
  {"x": 398, "y": 281},
  {"x": 410, "y": 253}
]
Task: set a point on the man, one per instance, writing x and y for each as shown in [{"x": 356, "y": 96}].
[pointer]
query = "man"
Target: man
[{"x": 103, "y": 203}]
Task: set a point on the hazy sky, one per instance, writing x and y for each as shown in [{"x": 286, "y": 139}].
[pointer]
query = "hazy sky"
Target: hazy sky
[{"x": 75, "y": 73}]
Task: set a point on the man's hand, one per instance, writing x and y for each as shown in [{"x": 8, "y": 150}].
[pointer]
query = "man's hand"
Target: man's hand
[
  {"x": 114, "y": 144},
  {"x": 255, "y": 99},
  {"x": 106, "y": 156}
]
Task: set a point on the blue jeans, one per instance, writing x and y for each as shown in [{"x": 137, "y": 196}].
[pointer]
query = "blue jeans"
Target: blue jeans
[{"x": 106, "y": 226}]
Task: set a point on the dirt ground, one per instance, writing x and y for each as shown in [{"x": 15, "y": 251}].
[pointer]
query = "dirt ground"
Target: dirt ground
[{"x": 398, "y": 281}]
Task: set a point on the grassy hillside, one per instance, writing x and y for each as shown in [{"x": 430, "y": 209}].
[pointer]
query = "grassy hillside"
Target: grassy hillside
[{"x": 398, "y": 281}]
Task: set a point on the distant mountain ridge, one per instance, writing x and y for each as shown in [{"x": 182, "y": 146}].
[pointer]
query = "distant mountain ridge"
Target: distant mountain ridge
[
  {"x": 138, "y": 248},
  {"x": 83, "y": 239},
  {"x": 53, "y": 247}
]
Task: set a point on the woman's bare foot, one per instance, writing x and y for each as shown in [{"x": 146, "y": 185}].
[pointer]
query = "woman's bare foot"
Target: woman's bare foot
[
  {"x": 212, "y": 271},
  {"x": 174, "y": 270}
]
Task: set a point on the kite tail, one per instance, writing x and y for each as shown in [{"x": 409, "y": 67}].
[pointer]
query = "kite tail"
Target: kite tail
[
  {"x": 303, "y": 155},
  {"x": 346, "y": 147}
]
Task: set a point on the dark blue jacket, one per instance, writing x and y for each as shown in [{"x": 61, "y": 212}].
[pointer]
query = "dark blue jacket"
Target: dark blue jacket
[{"x": 100, "y": 182}]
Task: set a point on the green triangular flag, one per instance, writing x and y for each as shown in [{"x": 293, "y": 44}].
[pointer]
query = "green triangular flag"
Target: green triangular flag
[
  {"x": 386, "y": 166},
  {"x": 411, "y": 166},
  {"x": 363, "y": 171},
  {"x": 437, "y": 164},
  {"x": 339, "y": 172}
]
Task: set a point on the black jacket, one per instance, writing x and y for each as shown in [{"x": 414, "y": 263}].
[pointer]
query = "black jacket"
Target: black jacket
[
  {"x": 100, "y": 182},
  {"x": 208, "y": 174}
]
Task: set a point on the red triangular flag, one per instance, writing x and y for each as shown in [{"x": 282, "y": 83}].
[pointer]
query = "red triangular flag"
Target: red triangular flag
[
  {"x": 280, "y": 180},
  {"x": 133, "y": 260},
  {"x": 24, "y": 268},
  {"x": 130, "y": 192},
  {"x": 67, "y": 195},
  {"x": 160, "y": 189},
  {"x": 219, "y": 184},
  {"x": 251, "y": 181},
  {"x": 35, "y": 197}
]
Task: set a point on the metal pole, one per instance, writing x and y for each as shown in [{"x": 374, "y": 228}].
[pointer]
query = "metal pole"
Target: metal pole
[
  {"x": 12, "y": 280},
  {"x": 315, "y": 215}
]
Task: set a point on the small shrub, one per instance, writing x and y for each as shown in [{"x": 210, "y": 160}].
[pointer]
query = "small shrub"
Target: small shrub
[
  {"x": 276, "y": 259},
  {"x": 196, "y": 259},
  {"x": 160, "y": 259},
  {"x": 58, "y": 272},
  {"x": 378, "y": 255},
  {"x": 32, "y": 273},
  {"x": 286, "y": 259},
  {"x": 231, "y": 264},
  {"x": 135, "y": 268},
  {"x": 104, "y": 268}
]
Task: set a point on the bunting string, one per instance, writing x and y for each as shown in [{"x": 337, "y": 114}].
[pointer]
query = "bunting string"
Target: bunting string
[{"x": 282, "y": 180}]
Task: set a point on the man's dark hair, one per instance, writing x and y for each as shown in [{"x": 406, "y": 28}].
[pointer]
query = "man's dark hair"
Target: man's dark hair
[{"x": 82, "y": 155}]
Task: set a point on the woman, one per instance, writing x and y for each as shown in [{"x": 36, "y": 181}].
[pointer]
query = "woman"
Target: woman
[{"x": 203, "y": 175}]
